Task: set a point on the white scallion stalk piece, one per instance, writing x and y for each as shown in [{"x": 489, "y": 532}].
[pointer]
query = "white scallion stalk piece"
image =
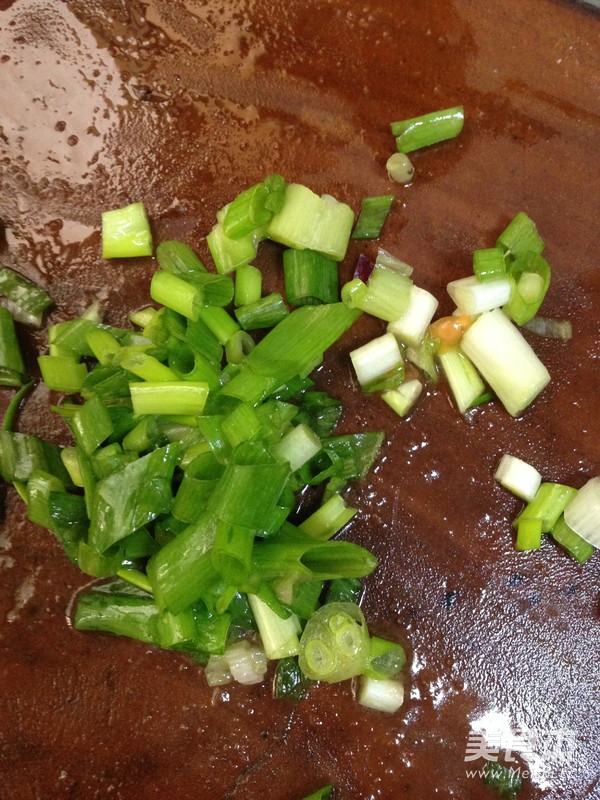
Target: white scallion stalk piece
[
  {"x": 247, "y": 662},
  {"x": 412, "y": 326},
  {"x": 464, "y": 380},
  {"x": 583, "y": 512},
  {"x": 217, "y": 671},
  {"x": 376, "y": 358},
  {"x": 519, "y": 477},
  {"x": 381, "y": 695},
  {"x": 298, "y": 446},
  {"x": 505, "y": 359},
  {"x": 402, "y": 399},
  {"x": 473, "y": 297},
  {"x": 279, "y": 636}
]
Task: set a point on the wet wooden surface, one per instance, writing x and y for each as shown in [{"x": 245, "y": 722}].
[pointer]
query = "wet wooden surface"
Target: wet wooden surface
[{"x": 181, "y": 105}]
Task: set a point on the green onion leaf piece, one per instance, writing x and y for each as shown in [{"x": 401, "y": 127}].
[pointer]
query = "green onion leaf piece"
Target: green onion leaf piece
[
  {"x": 335, "y": 643},
  {"x": 373, "y": 214},
  {"x": 437, "y": 126}
]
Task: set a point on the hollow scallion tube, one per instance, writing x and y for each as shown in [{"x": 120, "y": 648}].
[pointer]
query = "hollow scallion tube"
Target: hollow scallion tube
[
  {"x": 549, "y": 502},
  {"x": 264, "y": 313},
  {"x": 178, "y": 258},
  {"x": 279, "y": 636},
  {"x": 247, "y": 212},
  {"x": 12, "y": 366},
  {"x": 520, "y": 237},
  {"x": 126, "y": 232},
  {"x": 373, "y": 214},
  {"x": 176, "y": 293},
  {"x": 329, "y": 519},
  {"x": 437, "y": 126},
  {"x": 575, "y": 545},
  {"x": 310, "y": 277},
  {"x": 530, "y": 275},
  {"x": 386, "y": 294},
  {"x": 505, "y": 360},
  {"x": 489, "y": 264},
  {"x": 529, "y": 534},
  {"x": 248, "y": 285},
  {"x": 124, "y": 615},
  {"x": 169, "y": 397},
  {"x": 463, "y": 379}
]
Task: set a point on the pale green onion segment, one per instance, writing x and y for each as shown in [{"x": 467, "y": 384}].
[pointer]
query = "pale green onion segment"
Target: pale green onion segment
[
  {"x": 279, "y": 636},
  {"x": 126, "y": 232},
  {"x": 376, "y": 358},
  {"x": 464, "y": 380},
  {"x": 400, "y": 168},
  {"x": 335, "y": 643},
  {"x": 381, "y": 695},
  {"x": 403, "y": 399},
  {"x": 519, "y": 477},
  {"x": 246, "y": 661},
  {"x": 506, "y": 360},
  {"x": 582, "y": 514},
  {"x": 473, "y": 297},
  {"x": 411, "y": 327}
]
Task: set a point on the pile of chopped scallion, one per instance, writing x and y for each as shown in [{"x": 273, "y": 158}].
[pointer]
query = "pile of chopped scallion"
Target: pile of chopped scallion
[{"x": 192, "y": 443}]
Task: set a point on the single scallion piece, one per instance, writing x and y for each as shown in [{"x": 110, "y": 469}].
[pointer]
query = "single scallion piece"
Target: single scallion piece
[
  {"x": 335, "y": 643},
  {"x": 403, "y": 399},
  {"x": 520, "y": 237},
  {"x": 463, "y": 379},
  {"x": 400, "y": 168},
  {"x": 375, "y": 359},
  {"x": 178, "y": 257},
  {"x": 26, "y": 301},
  {"x": 279, "y": 636},
  {"x": 489, "y": 264},
  {"x": 310, "y": 278},
  {"x": 519, "y": 477},
  {"x": 386, "y": 294},
  {"x": 437, "y": 126},
  {"x": 247, "y": 212},
  {"x": 229, "y": 254},
  {"x": 529, "y": 534},
  {"x": 505, "y": 360},
  {"x": 248, "y": 285},
  {"x": 530, "y": 278},
  {"x": 329, "y": 519},
  {"x": 62, "y": 373},
  {"x": 12, "y": 366},
  {"x": 549, "y": 502},
  {"x": 575, "y": 545},
  {"x": 411, "y": 327},
  {"x": 582, "y": 514},
  {"x": 373, "y": 214},
  {"x": 169, "y": 397},
  {"x": 472, "y": 296},
  {"x": 264, "y": 313},
  {"x": 289, "y": 682},
  {"x": 381, "y": 694},
  {"x": 126, "y": 232},
  {"x": 386, "y": 659}
]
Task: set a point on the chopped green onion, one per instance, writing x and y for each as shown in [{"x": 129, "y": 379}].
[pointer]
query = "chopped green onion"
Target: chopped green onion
[
  {"x": 14, "y": 404},
  {"x": 297, "y": 447},
  {"x": 26, "y": 301},
  {"x": 289, "y": 682},
  {"x": 386, "y": 659},
  {"x": 178, "y": 258},
  {"x": 219, "y": 323},
  {"x": 403, "y": 399},
  {"x": 329, "y": 519},
  {"x": 279, "y": 636},
  {"x": 12, "y": 366},
  {"x": 549, "y": 502},
  {"x": 375, "y": 359},
  {"x": 247, "y": 212},
  {"x": 91, "y": 425},
  {"x": 582, "y": 514},
  {"x": 575, "y": 545},
  {"x": 529, "y": 534},
  {"x": 144, "y": 366},
  {"x": 437, "y": 126},
  {"x": 143, "y": 317},
  {"x": 229, "y": 254},
  {"x": 344, "y": 590},
  {"x": 520, "y": 237},
  {"x": 381, "y": 694},
  {"x": 126, "y": 232},
  {"x": 472, "y": 297},
  {"x": 464, "y": 381},
  {"x": 247, "y": 662},
  {"x": 176, "y": 293},
  {"x": 505, "y": 360},
  {"x": 169, "y": 397},
  {"x": 518, "y": 477},
  {"x": 411, "y": 326},
  {"x": 530, "y": 274},
  {"x": 248, "y": 285},
  {"x": 385, "y": 259},
  {"x": 238, "y": 346},
  {"x": 62, "y": 373},
  {"x": 264, "y": 313},
  {"x": 335, "y": 643},
  {"x": 103, "y": 345},
  {"x": 507, "y": 780},
  {"x": 124, "y": 615},
  {"x": 373, "y": 214},
  {"x": 400, "y": 168},
  {"x": 310, "y": 278},
  {"x": 309, "y": 222},
  {"x": 489, "y": 265}
]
